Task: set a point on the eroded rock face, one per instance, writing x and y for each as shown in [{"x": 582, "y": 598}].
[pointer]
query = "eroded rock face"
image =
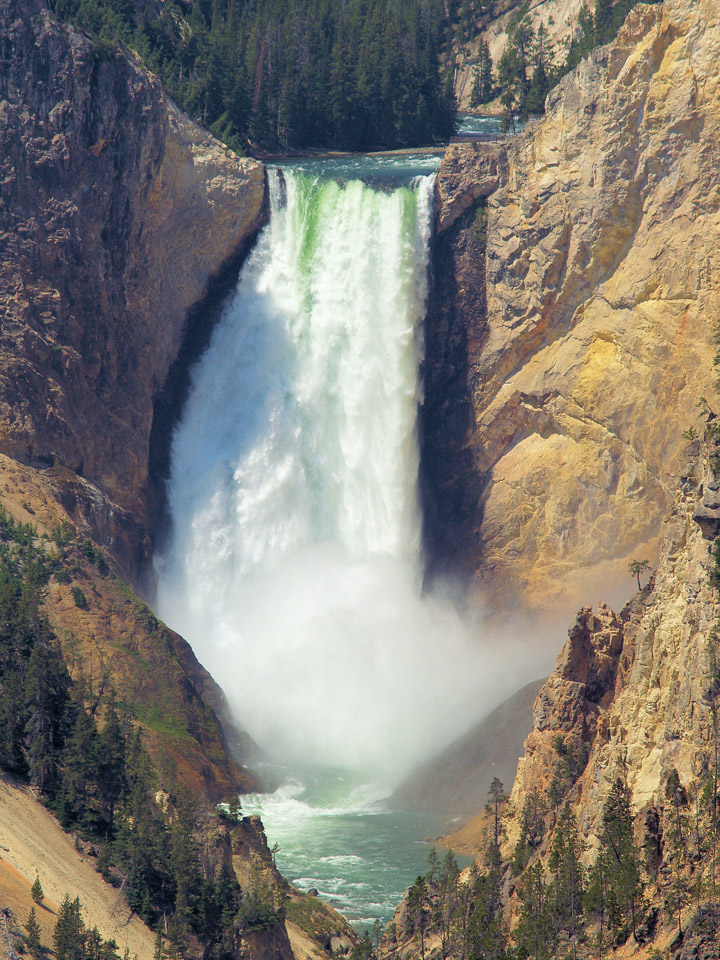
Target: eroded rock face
[
  {"x": 469, "y": 172},
  {"x": 558, "y": 17},
  {"x": 631, "y": 698},
  {"x": 115, "y": 212},
  {"x": 601, "y": 282},
  {"x": 634, "y": 687}
]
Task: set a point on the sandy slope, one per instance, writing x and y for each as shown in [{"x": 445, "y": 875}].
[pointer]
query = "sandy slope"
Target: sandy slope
[{"x": 31, "y": 840}]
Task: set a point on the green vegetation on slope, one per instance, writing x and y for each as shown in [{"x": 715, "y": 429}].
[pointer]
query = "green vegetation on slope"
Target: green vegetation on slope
[
  {"x": 528, "y": 68},
  {"x": 83, "y": 752},
  {"x": 72, "y": 939},
  {"x": 565, "y": 910}
]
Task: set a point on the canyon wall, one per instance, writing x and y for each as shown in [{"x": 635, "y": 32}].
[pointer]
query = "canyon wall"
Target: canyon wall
[
  {"x": 118, "y": 217},
  {"x": 578, "y": 406},
  {"x": 633, "y": 697},
  {"x": 563, "y": 430},
  {"x": 634, "y": 686},
  {"x": 116, "y": 213},
  {"x": 558, "y": 17}
]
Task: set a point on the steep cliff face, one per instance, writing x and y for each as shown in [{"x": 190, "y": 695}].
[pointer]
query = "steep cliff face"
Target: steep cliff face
[
  {"x": 118, "y": 216},
  {"x": 453, "y": 327},
  {"x": 116, "y": 211},
  {"x": 114, "y": 638},
  {"x": 633, "y": 698},
  {"x": 601, "y": 282},
  {"x": 633, "y": 688}
]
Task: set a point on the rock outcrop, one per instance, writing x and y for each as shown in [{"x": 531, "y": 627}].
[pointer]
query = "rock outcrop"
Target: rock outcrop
[
  {"x": 468, "y": 173},
  {"x": 309, "y": 929},
  {"x": 114, "y": 638},
  {"x": 633, "y": 687},
  {"x": 119, "y": 216},
  {"x": 633, "y": 697},
  {"x": 116, "y": 212},
  {"x": 561, "y": 427}
]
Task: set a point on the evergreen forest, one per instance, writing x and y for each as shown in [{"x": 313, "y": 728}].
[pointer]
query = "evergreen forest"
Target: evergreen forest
[
  {"x": 273, "y": 74},
  {"x": 82, "y": 750},
  {"x": 563, "y": 908}
]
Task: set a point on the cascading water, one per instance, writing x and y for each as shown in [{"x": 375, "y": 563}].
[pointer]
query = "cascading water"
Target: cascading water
[{"x": 294, "y": 561}]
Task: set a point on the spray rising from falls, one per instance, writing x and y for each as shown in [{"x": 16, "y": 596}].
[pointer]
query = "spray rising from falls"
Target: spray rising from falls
[{"x": 294, "y": 565}]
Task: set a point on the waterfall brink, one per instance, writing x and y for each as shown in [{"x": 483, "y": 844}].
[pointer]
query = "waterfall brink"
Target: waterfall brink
[{"x": 294, "y": 562}]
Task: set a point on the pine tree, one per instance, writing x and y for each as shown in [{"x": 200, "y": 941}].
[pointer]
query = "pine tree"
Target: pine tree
[
  {"x": 541, "y": 80},
  {"x": 597, "y": 895},
  {"x": 482, "y": 90},
  {"x": 475, "y": 98},
  {"x": 92, "y": 945},
  {"x": 363, "y": 949},
  {"x": 446, "y": 903},
  {"x": 485, "y": 935},
  {"x": 603, "y": 20},
  {"x": 532, "y": 829},
  {"x": 534, "y": 934},
  {"x": 513, "y": 74},
  {"x": 497, "y": 796},
  {"x": 228, "y": 896},
  {"x": 485, "y": 69},
  {"x": 184, "y": 860},
  {"x": 568, "y": 874},
  {"x": 36, "y": 891},
  {"x": 582, "y": 41},
  {"x": 47, "y": 686},
  {"x": 418, "y": 910},
  {"x": 33, "y": 934},
  {"x": 68, "y": 935},
  {"x": 617, "y": 841},
  {"x": 109, "y": 950},
  {"x": 159, "y": 953},
  {"x": 78, "y": 794},
  {"x": 434, "y": 866},
  {"x": 111, "y": 764}
]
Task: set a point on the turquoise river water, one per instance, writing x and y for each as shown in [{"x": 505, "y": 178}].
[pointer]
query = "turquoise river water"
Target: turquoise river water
[{"x": 345, "y": 839}]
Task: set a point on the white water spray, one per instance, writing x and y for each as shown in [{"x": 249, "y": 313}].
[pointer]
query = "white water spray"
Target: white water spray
[{"x": 294, "y": 562}]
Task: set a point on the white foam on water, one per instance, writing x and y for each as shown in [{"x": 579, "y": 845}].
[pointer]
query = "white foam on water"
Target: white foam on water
[{"x": 294, "y": 563}]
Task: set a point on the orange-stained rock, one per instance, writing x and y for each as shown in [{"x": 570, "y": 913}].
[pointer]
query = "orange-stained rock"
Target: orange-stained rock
[{"x": 571, "y": 343}]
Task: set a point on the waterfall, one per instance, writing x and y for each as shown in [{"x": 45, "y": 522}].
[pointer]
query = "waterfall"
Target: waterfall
[{"x": 294, "y": 560}]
